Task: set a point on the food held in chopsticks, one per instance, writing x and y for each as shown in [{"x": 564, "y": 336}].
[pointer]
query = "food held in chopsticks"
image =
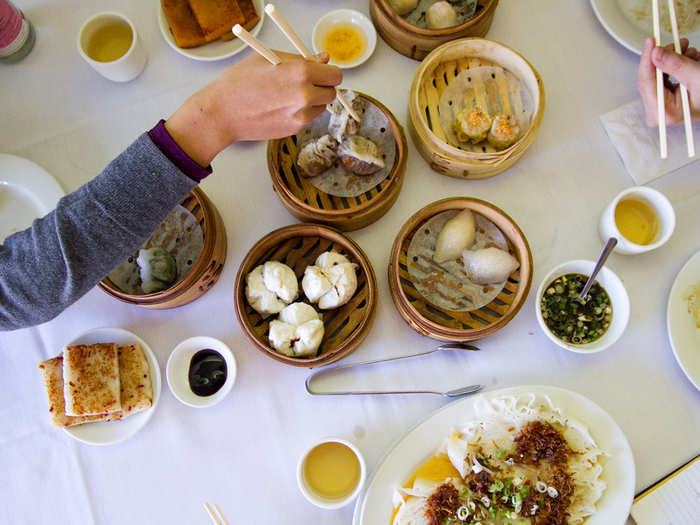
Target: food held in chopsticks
[
  {"x": 366, "y": 149},
  {"x": 571, "y": 320},
  {"x": 435, "y": 14},
  {"x": 270, "y": 287},
  {"x": 485, "y": 102},
  {"x": 692, "y": 297},
  {"x": 165, "y": 258},
  {"x": 522, "y": 460},
  {"x": 457, "y": 235},
  {"x": 198, "y": 22},
  {"x": 459, "y": 260},
  {"x": 298, "y": 332},
  {"x": 331, "y": 281},
  {"x": 84, "y": 379}
]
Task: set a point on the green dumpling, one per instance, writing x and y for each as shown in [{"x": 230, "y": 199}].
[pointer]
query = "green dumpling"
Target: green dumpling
[{"x": 157, "y": 269}]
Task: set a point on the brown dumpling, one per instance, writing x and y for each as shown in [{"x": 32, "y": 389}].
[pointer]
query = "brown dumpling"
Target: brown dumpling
[
  {"x": 360, "y": 155},
  {"x": 316, "y": 156}
]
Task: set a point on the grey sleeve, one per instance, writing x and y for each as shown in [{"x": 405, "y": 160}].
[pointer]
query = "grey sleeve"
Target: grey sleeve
[{"x": 50, "y": 265}]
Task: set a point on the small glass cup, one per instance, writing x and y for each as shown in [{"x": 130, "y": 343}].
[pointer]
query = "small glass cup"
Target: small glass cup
[
  {"x": 657, "y": 201},
  {"x": 122, "y": 69}
]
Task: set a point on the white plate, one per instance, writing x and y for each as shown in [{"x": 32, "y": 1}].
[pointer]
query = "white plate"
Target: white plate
[
  {"x": 213, "y": 50},
  {"x": 108, "y": 433},
  {"x": 616, "y": 23},
  {"x": 27, "y": 191},
  {"x": 345, "y": 15},
  {"x": 682, "y": 333},
  {"x": 374, "y": 506}
]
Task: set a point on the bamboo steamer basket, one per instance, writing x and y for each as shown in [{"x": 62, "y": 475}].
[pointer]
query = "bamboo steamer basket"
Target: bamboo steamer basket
[
  {"x": 416, "y": 42},
  {"x": 309, "y": 204},
  {"x": 432, "y": 78},
  {"x": 204, "y": 272},
  {"x": 448, "y": 325},
  {"x": 298, "y": 246}
]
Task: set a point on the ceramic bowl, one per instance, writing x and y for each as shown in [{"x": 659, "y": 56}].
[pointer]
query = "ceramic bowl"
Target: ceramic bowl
[
  {"x": 345, "y": 15},
  {"x": 618, "y": 297},
  {"x": 178, "y": 367}
]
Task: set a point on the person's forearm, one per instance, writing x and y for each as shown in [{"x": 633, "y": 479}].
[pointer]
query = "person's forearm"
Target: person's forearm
[{"x": 62, "y": 256}]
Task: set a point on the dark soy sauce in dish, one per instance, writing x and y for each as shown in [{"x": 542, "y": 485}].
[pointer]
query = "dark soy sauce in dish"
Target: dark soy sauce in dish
[{"x": 207, "y": 372}]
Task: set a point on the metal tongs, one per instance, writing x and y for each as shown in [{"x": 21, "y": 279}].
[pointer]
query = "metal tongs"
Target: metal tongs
[{"x": 458, "y": 392}]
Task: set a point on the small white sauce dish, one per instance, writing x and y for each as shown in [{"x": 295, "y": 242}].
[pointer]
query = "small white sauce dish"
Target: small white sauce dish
[
  {"x": 349, "y": 16},
  {"x": 177, "y": 371},
  {"x": 661, "y": 206},
  {"x": 315, "y": 498},
  {"x": 618, "y": 298}
]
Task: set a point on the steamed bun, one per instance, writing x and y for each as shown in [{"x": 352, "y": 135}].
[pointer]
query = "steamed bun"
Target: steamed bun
[
  {"x": 331, "y": 281},
  {"x": 403, "y": 7},
  {"x": 298, "y": 332},
  {"x": 440, "y": 15},
  {"x": 489, "y": 265},
  {"x": 270, "y": 287},
  {"x": 457, "y": 235}
]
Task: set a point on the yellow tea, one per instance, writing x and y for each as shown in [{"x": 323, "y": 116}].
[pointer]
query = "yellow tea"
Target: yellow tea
[
  {"x": 637, "y": 221},
  {"x": 332, "y": 470},
  {"x": 345, "y": 42},
  {"x": 109, "y": 42}
]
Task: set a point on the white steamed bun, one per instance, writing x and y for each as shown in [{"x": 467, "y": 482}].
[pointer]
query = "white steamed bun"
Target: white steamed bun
[
  {"x": 331, "y": 282},
  {"x": 298, "y": 332},
  {"x": 270, "y": 287}
]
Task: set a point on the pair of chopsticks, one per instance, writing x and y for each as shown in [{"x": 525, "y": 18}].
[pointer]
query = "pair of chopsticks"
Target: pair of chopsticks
[
  {"x": 272, "y": 57},
  {"x": 216, "y": 515},
  {"x": 690, "y": 142}
]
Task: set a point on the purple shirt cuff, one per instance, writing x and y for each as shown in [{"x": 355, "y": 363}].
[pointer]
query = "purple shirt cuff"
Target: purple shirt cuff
[{"x": 165, "y": 143}]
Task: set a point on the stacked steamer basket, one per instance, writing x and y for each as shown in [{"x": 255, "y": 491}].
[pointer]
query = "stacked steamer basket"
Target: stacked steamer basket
[
  {"x": 308, "y": 203},
  {"x": 444, "y": 324},
  {"x": 416, "y": 42},
  {"x": 298, "y": 246},
  {"x": 205, "y": 271},
  {"x": 440, "y": 68}
]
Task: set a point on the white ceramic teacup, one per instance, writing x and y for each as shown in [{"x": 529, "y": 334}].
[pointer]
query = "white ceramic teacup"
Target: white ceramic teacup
[
  {"x": 122, "y": 69},
  {"x": 661, "y": 206}
]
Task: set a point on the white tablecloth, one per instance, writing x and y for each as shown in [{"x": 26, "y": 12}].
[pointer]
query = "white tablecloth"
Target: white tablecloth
[{"x": 242, "y": 453}]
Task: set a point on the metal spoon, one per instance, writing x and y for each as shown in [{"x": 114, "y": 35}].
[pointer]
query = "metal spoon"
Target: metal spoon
[{"x": 607, "y": 250}]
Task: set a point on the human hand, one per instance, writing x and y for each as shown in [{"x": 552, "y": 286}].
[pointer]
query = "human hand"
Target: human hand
[
  {"x": 685, "y": 68},
  {"x": 253, "y": 100}
]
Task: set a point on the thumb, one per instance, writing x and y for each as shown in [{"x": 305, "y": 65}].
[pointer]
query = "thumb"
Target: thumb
[{"x": 683, "y": 69}]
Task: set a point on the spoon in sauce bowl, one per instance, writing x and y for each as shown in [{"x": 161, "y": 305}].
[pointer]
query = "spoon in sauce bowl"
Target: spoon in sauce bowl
[{"x": 607, "y": 250}]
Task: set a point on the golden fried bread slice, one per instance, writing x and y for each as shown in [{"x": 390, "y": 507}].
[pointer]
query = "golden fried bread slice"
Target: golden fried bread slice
[
  {"x": 251, "y": 18},
  {"x": 216, "y": 17},
  {"x": 182, "y": 23},
  {"x": 136, "y": 391},
  {"x": 52, "y": 372},
  {"x": 91, "y": 379}
]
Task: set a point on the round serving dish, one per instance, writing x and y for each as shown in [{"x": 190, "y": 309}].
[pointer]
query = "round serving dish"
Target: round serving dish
[
  {"x": 298, "y": 246},
  {"x": 205, "y": 271},
  {"x": 416, "y": 42},
  {"x": 448, "y": 325},
  {"x": 618, "y": 298},
  {"x": 432, "y": 78},
  {"x": 307, "y": 203},
  {"x": 345, "y": 15}
]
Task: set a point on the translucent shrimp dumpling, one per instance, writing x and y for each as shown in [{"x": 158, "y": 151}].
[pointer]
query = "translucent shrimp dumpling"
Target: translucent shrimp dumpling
[
  {"x": 489, "y": 265},
  {"x": 316, "y": 156},
  {"x": 440, "y": 15},
  {"x": 457, "y": 235},
  {"x": 360, "y": 155},
  {"x": 504, "y": 131},
  {"x": 403, "y": 7},
  {"x": 472, "y": 124},
  {"x": 157, "y": 269}
]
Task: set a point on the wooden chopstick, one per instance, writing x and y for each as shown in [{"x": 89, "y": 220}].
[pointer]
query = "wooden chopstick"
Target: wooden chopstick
[
  {"x": 253, "y": 42},
  {"x": 659, "y": 83},
  {"x": 287, "y": 30},
  {"x": 211, "y": 514},
  {"x": 220, "y": 514},
  {"x": 687, "y": 122}
]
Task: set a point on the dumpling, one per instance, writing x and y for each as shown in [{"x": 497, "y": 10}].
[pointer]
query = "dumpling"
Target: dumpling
[
  {"x": 271, "y": 287},
  {"x": 440, "y": 14},
  {"x": 489, "y": 265},
  {"x": 504, "y": 132},
  {"x": 316, "y": 156},
  {"x": 457, "y": 235},
  {"x": 298, "y": 332},
  {"x": 341, "y": 124},
  {"x": 360, "y": 155},
  {"x": 472, "y": 124},
  {"x": 403, "y": 7},
  {"x": 331, "y": 282},
  {"x": 157, "y": 269}
]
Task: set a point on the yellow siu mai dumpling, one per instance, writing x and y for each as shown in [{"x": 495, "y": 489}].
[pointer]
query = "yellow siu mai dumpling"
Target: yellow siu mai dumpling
[
  {"x": 472, "y": 124},
  {"x": 504, "y": 132}
]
